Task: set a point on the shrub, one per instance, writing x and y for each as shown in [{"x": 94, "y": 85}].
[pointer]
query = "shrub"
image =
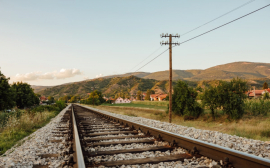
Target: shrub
[
  {"x": 231, "y": 96},
  {"x": 257, "y": 107},
  {"x": 184, "y": 101}
]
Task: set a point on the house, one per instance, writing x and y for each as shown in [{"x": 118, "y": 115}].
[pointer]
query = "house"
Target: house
[
  {"x": 43, "y": 98},
  {"x": 122, "y": 100},
  {"x": 158, "y": 97},
  {"x": 257, "y": 93}
]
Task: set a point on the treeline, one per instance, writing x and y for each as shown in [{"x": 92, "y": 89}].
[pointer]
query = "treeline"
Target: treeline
[
  {"x": 94, "y": 98},
  {"x": 228, "y": 97},
  {"x": 17, "y": 94}
]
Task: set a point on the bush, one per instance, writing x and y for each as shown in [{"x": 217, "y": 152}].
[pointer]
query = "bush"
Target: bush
[
  {"x": 231, "y": 96},
  {"x": 257, "y": 107},
  {"x": 184, "y": 101}
]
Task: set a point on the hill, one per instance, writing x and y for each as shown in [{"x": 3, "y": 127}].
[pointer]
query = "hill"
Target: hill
[
  {"x": 108, "y": 86},
  {"x": 39, "y": 88},
  {"x": 130, "y": 83},
  {"x": 245, "y": 70}
]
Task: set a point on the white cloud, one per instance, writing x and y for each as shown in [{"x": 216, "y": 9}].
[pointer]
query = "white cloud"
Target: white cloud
[
  {"x": 62, "y": 74},
  {"x": 27, "y": 77},
  {"x": 67, "y": 73},
  {"x": 98, "y": 76}
]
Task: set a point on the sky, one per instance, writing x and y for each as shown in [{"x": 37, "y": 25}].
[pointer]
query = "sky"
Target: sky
[{"x": 51, "y": 42}]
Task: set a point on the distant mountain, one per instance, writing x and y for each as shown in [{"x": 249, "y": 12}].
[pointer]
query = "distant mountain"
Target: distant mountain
[
  {"x": 130, "y": 83},
  {"x": 108, "y": 86},
  {"x": 39, "y": 88}
]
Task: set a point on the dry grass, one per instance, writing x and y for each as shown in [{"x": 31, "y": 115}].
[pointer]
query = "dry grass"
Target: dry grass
[
  {"x": 254, "y": 127},
  {"x": 17, "y": 128}
]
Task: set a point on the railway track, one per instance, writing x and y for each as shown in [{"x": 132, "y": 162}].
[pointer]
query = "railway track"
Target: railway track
[{"x": 97, "y": 139}]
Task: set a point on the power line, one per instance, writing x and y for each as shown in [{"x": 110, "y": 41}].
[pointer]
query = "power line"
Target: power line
[
  {"x": 224, "y": 24},
  {"x": 145, "y": 58},
  {"x": 206, "y": 33},
  {"x": 151, "y": 60},
  {"x": 196, "y": 29},
  {"x": 218, "y": 17}
]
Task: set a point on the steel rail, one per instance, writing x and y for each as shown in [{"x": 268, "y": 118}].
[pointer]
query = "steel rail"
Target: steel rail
[
  {"x": 79, "y": 153},
  {"x": 236, "y": 158}
]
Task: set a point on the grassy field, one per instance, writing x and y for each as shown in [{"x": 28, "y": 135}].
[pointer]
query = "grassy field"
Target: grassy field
[
  {"x": 254, "y": 127},
  {"x": 138, "y": 104},
  {"x": 15, "y": 126}
]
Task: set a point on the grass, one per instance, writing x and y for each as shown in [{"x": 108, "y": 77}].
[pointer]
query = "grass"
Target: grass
[
  {"x": 152, "y": 103},
  {"x": 254, "y": 127},
  {"x": 136, "y": 104},
  {"x": 17, "y": 125}
]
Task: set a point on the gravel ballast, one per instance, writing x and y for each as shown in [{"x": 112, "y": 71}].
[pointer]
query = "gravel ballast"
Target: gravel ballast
[
  {"x": 37, "y": 143},
  {"x": 250, "y": 146}
]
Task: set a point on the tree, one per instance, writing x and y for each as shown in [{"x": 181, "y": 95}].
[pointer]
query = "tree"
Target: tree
[
  {"x": 231, "y": 97},
  {"x": 73, "y": 99},
  {"x": 210, "y": 98},
  {"x": 266, "y": 95},
  {"x": 95, "y": 98},
  {"x": 184, "y": 100},
  {"x": 139, "y": 94},
  {"x": 265, "y": 85},
  {"x": 148, "y": 93},
  {"x": 25, "y": 96},
  {"x": 50, "y": 99},
  {"x": 6, "y": 93},
  {"x": 65, "y": 98}
]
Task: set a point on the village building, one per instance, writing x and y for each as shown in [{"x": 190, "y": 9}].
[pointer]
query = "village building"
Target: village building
[
  {"x": 158, "y": 97},
  {"x": 257, "y": 93},
  {"x": 121, "y": 100}
]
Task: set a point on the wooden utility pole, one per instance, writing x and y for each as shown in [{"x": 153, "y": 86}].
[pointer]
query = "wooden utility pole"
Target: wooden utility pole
[{"x": 170, "y": 43}]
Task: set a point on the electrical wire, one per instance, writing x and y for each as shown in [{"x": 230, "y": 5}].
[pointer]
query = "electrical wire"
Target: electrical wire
[
  {"x": 218, "y": 17},
  {"x": 146, "y": 58},
  {"x": 151, "y": 60},
  {"x": 206, "y": 33},
  {"x": 196, "y": 29}
]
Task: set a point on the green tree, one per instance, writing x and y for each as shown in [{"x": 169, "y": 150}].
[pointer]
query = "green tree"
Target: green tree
[
  {"x": 6, "y": 93},
  {"x": 95, "y": 98},
  {"x": 148, "y": 93},
  {"x": 73, "y": 99},
  {"x": 139, "y": 94},
  {"x": 50, "y": 99},
  {"x": 25, "y": 96},
  {"x": 65, "y": 98},
  {"x": 210, "y": 98},
  {"x": 184, "y": 100},
  {"x": 231, "y": 97},
  {"x": 265, "y": 85},
  {"x": 266, "y": 95}
]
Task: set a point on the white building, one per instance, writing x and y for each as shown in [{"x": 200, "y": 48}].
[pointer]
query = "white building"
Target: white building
[{"x": 121, "y": 100}]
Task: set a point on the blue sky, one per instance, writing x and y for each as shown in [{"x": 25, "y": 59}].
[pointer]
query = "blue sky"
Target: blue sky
[{"x": 58, "y": 41}]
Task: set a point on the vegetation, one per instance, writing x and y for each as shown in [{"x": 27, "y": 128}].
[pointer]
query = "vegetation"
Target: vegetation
[
  {"x": 19, "y": 94},
  {"x": 265, "y": 85},
  {"x": 135, "y": 104},
  {"x": 7, "y": 95},
  {"x": 148, "y": 94},
  {"x": 95, "y": 98},
  {"x": 24, "y": 95},
  {"x": 139, "y": 95},
  {"x": 211, "y": 100},
  {"x": 18, "y": 124},
  {"x": 256, "y": 107},
  {"x": 184, "y": 101}
]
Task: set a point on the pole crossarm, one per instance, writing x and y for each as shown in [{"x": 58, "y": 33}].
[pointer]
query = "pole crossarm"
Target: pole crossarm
[{"x": 168, "y": 43}]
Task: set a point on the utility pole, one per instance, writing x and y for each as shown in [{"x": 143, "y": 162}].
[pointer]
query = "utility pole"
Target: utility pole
[{"x": 170, "y": 43}]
